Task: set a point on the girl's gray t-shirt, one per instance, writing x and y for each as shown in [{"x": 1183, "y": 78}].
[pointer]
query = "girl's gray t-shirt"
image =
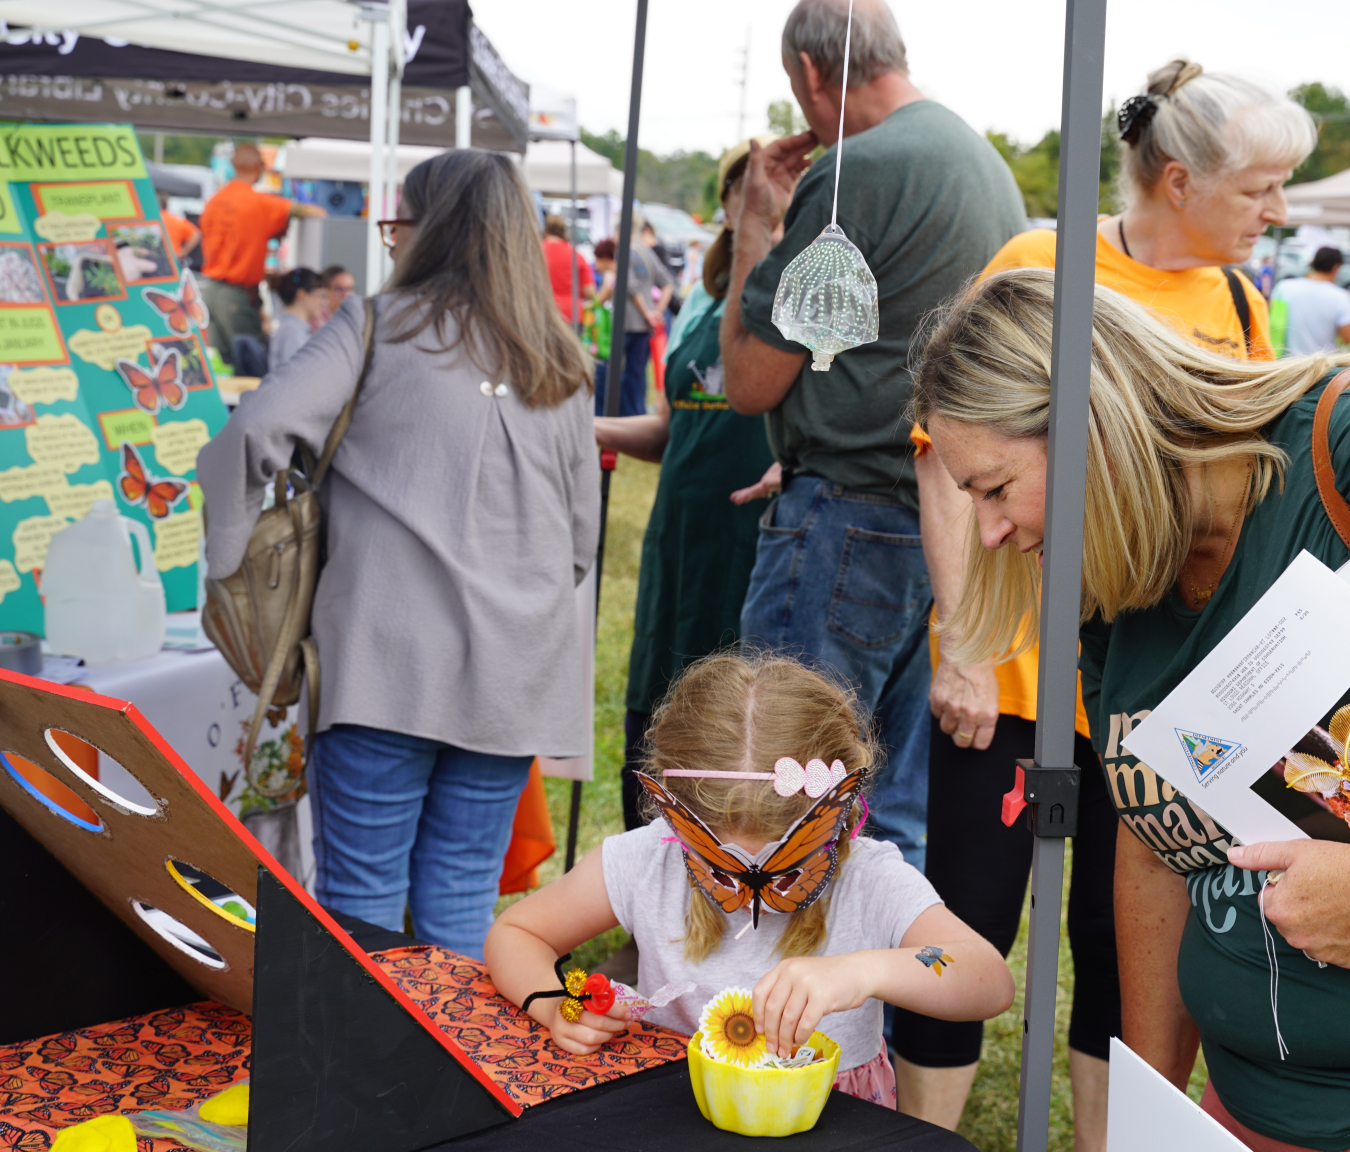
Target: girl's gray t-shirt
[
  {"x": 873, "y": 900},
  {"x": 291, "y": 335}
]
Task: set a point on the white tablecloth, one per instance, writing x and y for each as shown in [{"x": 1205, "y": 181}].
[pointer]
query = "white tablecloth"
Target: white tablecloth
[{"x": 196, "y": 702}]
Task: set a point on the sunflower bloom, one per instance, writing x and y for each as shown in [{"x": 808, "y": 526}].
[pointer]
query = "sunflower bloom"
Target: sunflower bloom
[{"x": 728, "y": 1027}]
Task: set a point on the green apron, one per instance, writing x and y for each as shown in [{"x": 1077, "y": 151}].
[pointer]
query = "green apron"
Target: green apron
[{"x": 699, "y": 547}]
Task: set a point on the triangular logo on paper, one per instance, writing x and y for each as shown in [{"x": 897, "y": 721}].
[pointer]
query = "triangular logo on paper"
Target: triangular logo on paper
[{"x": 1206, "y": 754}]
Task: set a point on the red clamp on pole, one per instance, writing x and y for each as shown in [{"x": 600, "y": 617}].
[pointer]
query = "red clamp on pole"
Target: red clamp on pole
[
  {"x": 1015, "y": 802},
  {"x": 609, "y": 459}
]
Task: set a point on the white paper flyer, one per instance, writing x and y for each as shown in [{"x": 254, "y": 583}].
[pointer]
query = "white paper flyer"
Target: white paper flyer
[{"x": 1240, "y": 737}]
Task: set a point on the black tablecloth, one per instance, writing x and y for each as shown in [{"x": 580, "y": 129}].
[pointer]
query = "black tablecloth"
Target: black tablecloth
[{"x": 655, "y": 1111}]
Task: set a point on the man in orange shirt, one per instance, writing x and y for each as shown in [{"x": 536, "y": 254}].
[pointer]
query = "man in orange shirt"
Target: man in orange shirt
[
  {"x": 236, "y": 225},
  {"x": 183, "y": 235}
]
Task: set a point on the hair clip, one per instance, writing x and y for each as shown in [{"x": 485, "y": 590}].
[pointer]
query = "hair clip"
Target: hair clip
[
  {"x": 1135, "y": 115},
  {"x": 788, "y": 776},
  {"x": 577, "y": 988}
]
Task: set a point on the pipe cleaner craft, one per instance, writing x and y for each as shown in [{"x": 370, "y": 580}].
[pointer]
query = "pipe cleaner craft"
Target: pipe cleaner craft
[
  {"x": 785, "y": 876},
  {"x": 827, "y": 295},
  {"x": 578, "y": 990}
]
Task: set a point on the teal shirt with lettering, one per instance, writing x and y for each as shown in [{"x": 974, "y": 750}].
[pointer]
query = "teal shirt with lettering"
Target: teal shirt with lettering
[{"x": 1128, "y": 667}]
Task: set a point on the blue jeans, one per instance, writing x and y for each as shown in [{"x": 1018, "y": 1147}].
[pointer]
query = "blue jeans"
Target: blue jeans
[
  {"x": 840, "y": 578},
  {"x": 637, "y": 351},
  {"x": 405, "y": 821}
]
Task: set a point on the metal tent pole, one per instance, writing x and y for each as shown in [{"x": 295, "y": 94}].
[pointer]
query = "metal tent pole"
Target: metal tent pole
[
  {"x": 614, "y": 372},
  {"x": 1052, "y": 780},
  {"x": 464, "y": 117},
  {"x": 398, "y": 18},
  {"x": 378, "y": 15},
  {"x": 572, "y": 236}
]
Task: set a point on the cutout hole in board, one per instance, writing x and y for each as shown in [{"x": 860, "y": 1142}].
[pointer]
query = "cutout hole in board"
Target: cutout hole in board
[
  {"x": 48, "y": 791},
  {"x": 178, "y": 934},
  {"x": 109, "y": 779},
  {"x": 207, "y": 890}
]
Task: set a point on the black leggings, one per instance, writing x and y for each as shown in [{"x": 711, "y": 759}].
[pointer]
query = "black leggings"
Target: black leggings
[
  {"x": 635, "y": 725},
  {"x": 980, "y": 869}
]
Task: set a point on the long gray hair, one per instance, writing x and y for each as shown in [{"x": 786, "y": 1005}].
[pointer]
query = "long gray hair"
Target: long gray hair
[{"x": 476, "y": 257}]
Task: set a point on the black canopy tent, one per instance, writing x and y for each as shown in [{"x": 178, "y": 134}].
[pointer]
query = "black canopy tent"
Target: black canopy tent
[{"x": 62, "y": 75}]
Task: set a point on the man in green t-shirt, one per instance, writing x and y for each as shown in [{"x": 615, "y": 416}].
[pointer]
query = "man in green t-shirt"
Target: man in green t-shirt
[{"x": 839, "y": 572}]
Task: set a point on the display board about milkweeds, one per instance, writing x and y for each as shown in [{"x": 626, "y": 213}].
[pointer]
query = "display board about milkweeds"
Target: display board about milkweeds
[{"x": 105, "y": 388}]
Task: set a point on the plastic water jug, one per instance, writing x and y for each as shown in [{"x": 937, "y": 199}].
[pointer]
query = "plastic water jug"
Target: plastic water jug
[{"x": 98, "y": 606}]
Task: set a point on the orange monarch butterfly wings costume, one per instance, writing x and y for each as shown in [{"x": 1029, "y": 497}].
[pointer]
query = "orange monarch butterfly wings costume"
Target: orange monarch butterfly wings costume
[{"x": 785, "y": 876}]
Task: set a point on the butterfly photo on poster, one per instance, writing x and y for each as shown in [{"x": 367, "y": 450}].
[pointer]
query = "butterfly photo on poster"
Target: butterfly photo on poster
[
  {"x": 183, "y": 310},
  {"x": 784, "y": 877},
  {"x": 158, "y": 387},
  {"x": 157, "y": 495}
]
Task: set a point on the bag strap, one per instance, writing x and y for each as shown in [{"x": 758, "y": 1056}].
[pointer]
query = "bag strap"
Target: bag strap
[
  {"x": 1338, "y": 511},
  {"x": 275, "y": 666},
  {"x": 344, "y": 418},
  {"x": 1242, "y": 304}
]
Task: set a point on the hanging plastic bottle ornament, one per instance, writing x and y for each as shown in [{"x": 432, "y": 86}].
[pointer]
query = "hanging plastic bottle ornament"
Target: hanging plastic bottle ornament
[
  {"x": 827, "y": 298},
  {"x": 827, "y": 295}
]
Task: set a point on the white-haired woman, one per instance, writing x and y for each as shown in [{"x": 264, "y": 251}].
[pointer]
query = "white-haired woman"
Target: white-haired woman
[
  {"x": 1200, "y": 493},
  {"x": 1203, "y": 160}
]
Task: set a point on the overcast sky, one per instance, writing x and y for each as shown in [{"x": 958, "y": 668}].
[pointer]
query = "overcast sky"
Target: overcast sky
[{"x": 996, "y": 62}]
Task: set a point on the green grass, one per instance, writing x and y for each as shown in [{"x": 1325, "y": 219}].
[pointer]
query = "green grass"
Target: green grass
[{"x": 990, "y": 1120}]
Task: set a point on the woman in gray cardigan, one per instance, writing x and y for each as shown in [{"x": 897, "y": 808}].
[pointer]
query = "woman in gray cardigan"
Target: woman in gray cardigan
[{"x": 463, "y": 508}]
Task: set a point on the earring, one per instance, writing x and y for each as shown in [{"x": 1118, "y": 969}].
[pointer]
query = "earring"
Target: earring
[{"x": 1180, "y": 205}]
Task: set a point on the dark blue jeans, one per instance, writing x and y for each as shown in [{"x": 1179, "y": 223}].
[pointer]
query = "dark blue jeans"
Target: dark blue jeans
[
  {"x": 404, "y": 821},
  {"x": 637, "y": 351},
  {"x": 840, "y": 579}
]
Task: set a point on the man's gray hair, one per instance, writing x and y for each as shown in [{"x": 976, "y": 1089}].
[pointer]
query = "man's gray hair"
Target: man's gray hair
[{"x": 817, "y": 27}]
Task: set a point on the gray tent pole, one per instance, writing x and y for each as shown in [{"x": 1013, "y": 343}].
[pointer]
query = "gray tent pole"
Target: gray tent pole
[
  {"x": 1052, "y": 780},
  {"x": 572, "y": 234},
  {"x": 615, "y": 370}
]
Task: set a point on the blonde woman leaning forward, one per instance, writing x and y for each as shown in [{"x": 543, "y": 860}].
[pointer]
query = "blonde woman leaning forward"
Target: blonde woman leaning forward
[
  {"x": 463, "y": 508},
  {"x": 1203, "y": 160},
  {"x": 1200, "y": 492}
]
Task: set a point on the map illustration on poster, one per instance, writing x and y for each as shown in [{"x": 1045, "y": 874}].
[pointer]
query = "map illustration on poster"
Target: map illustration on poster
[{"x": 106, "y": 392}]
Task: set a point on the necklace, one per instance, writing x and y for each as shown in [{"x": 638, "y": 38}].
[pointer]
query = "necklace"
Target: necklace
[
  {"x": 1120, "y": 224},
  {"x": 1202, "y": 595}
]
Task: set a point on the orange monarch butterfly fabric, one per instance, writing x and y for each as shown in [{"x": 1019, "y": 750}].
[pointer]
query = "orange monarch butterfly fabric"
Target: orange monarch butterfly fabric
[
  {"x": 784, "y": 877},
  {"x": 175, "y": 1058}
]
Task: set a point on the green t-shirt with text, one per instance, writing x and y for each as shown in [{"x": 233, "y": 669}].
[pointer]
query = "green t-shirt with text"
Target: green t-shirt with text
[
  {"x": 1128, "y": 667},
  {"x": 928, "y": 201}
]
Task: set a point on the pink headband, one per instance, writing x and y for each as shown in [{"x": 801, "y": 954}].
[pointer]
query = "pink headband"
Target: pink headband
[{"x": 788, "y": 776}]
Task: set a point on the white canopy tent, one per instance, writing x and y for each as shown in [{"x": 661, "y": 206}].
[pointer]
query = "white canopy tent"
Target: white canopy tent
[
  {"x": 547, "y": 165},
  {"x": 1325, "y": 202},
  {"x": 548, "y": 169},
  {"x": 360, "y": 38}
]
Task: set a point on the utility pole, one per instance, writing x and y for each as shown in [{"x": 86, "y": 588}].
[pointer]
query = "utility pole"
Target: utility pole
[{"x": 745, "y": 83}]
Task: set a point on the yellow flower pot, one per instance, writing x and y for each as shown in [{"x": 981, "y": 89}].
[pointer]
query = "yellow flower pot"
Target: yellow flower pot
[{"x": 763, "y": 1101}]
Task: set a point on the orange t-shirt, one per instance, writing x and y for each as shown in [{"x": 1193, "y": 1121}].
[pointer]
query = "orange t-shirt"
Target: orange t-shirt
[
  {"x": 237, "y": 223},
  {"x": 1198, "y": 303},
  {"x": 180, "y": 231}
]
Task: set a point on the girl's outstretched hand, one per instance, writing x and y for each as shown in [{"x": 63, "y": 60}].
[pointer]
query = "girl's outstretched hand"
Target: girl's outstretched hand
[
  {"x": 793, "y": 997},
  {"x": 588, "y": 1033}
]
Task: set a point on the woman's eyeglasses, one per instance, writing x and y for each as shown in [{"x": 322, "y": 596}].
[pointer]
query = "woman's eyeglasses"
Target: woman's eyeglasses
[{"x": 387, "y": 230}]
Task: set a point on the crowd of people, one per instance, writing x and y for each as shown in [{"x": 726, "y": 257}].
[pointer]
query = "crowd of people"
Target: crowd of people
[{"x": 839, "y": 569}]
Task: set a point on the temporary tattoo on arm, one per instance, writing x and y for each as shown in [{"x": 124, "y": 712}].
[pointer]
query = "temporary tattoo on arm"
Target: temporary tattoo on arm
[{"x": 931, "y": 956}]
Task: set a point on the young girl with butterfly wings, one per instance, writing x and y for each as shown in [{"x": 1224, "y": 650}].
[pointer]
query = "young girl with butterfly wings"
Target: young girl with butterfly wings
[{"x": 752, "y": 873}]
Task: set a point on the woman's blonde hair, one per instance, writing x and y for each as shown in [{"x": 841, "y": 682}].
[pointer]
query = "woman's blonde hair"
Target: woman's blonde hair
[
  {"x": 476, "y": 257},
  {"x": 1159, "y": 405},
  {"x": 1213, "y": 124},
  {"x": 742, "y": 713}
]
